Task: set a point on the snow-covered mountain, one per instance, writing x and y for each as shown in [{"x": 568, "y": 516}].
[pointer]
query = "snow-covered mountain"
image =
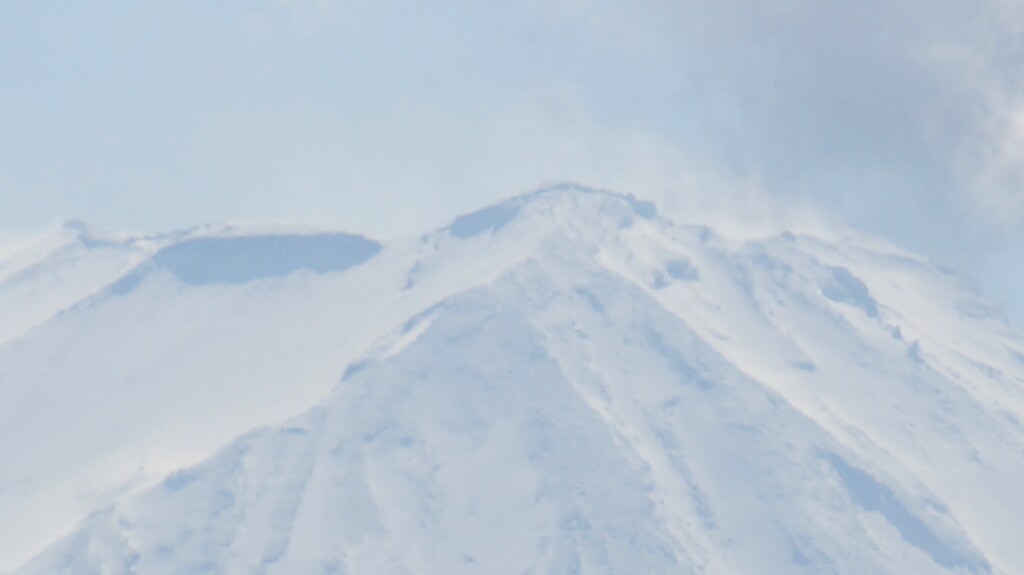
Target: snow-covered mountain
[{"x": 566, "y": 382}]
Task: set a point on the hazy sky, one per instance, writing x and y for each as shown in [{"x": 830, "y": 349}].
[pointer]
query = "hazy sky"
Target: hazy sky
[{"x": 903, "y": 118}]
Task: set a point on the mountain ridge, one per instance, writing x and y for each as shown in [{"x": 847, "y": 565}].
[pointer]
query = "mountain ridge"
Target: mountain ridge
[{"x": 886, "y": 362}]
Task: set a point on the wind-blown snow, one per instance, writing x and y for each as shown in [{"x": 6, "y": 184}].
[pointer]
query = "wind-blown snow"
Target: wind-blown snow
[{"x": 564, "y": 383}]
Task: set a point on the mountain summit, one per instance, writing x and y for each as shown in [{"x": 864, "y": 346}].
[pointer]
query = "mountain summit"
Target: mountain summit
[{"x": 565, "y": 382}]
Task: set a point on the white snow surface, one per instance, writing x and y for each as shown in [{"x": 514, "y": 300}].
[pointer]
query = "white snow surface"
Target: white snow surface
[{"x": 567, "y": 382}]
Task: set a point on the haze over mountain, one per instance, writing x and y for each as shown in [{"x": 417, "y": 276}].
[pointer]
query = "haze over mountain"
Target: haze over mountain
[{"x": 565, "y": 382}]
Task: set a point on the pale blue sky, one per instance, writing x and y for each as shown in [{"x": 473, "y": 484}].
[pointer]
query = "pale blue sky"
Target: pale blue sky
[{"x": 904, "y": 118}]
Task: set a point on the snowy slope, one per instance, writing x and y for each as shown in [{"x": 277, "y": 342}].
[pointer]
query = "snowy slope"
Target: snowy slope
[
  {"x": 60, "y": 270},
  {"x": 563, "y": 383}
]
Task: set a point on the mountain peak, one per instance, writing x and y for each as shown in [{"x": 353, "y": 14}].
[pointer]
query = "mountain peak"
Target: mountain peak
[
  {"x": 580, "y": 386},
  {"x": 564, "y": 199},
  {"x": 577, "y": 193}
]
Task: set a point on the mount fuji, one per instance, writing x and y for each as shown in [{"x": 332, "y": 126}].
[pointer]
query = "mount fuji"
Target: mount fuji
[{"x": 565, "y": 382}]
